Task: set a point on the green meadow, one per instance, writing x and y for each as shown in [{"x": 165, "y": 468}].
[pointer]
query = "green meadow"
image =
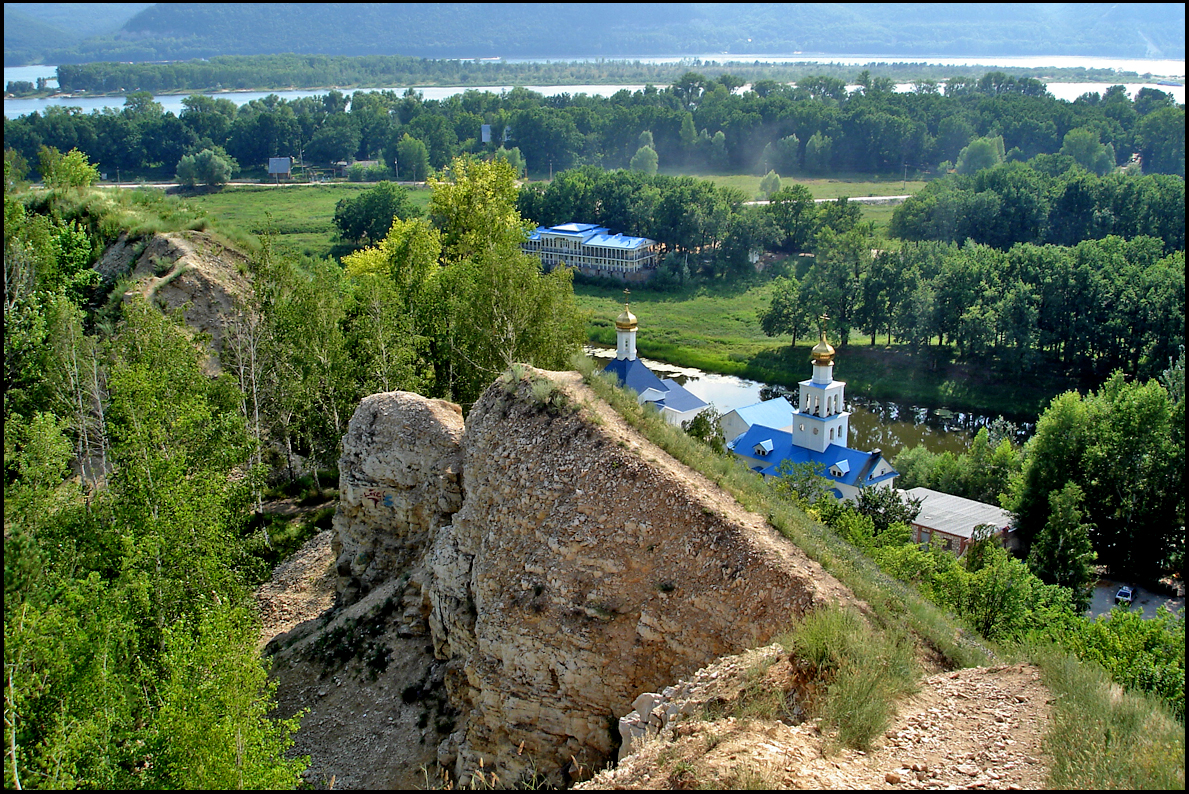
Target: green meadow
[
  {"x": 832, "y": 187},
  {"x": 301, "y": 216}
]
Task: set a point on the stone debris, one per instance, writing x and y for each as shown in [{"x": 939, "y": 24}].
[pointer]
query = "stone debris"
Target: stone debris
[{"x": 944, "y": 737}]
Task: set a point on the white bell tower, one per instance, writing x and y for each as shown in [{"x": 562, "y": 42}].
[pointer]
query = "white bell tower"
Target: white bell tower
[
  {"x": 625, "y": 332},
  {"x": 821, "y": 419}
]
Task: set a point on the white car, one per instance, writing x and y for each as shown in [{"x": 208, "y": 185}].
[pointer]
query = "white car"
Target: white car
[{"x": 1125, "y": 595}]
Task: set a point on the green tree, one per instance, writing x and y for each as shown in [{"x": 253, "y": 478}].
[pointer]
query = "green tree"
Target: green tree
[
  {"x": 788, "y": 313},
  {"x": 1083, "y": 146},
  {"x": 770, "y": 184},
  {"x": 66, "y": 170},
  {"x": 795, "y": 213},
  {"x": 206, "y": 167},
  {"x": 804, "y": 481},
  {"x": 1161, "y": 136},
  {"x": 819, "y": 153},
  {"x": 216, "y": 698},
  {"x": 979, "y": 154},
  {"x": 644, "y": 160},
  {"x": 368, "y": 216},
  {"x": 410, "y": 159},
  {"x": 1062, "y": 554},
  {"x": 886, "y": 506},
  {"x": 704, "y": 427},
  {"x": 1124, "y": 448}
]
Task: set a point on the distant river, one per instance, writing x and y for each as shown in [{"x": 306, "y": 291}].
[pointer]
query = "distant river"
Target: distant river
[
  {"x": 173, "y": 102},
  {"x": 874, "y": 424}
]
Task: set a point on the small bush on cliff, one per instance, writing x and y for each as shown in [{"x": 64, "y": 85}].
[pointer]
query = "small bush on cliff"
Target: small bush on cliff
[
  {"x": 864, "y": 671},
  {"x": 542, "y": 392}
]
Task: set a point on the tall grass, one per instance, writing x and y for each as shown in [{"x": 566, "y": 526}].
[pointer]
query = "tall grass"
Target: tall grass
[
  {"x": 1103, "y": 737},
  {"x": 866, "y": 671}
]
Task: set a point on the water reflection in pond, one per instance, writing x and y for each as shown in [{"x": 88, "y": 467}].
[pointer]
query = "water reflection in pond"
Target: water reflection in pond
[{"x": 874, "y": 424}]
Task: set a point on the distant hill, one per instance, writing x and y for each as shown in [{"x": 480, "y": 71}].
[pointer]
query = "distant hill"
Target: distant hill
[
  {"x": 33, "y": 29},
  {"x": 173, "y": 31}
]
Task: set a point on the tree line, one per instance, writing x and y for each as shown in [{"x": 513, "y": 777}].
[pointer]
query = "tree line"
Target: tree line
[
  {"x": 1083, "y": 310},
  {"x": 1050, "y": 199},
  {"x": 699, "y": 122},
  {"x": 244, "y": 72}
]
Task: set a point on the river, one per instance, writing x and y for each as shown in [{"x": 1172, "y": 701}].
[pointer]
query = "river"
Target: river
[
  {"x": 874, "y": 424},
  {"x": 1066, "y": 91}
]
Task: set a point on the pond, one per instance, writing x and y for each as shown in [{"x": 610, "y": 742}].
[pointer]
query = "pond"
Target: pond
[{"x": 874, "y": 424}]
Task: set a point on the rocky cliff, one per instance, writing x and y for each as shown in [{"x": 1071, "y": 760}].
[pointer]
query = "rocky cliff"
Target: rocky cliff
[{"x": 561, "y": 563}]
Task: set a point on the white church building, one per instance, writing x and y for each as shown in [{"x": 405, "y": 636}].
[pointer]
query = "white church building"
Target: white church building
[
  {"x": 673, "y": 400},
  {"x": 766, "y": 435}
]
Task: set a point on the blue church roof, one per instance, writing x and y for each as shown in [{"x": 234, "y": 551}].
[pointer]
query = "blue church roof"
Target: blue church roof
[
  {"x": 633, "y": 374},
  {"x": 681, "y": 399},
  {"x": 855, "y": 466},
  {"x": 770, "y": 413}
]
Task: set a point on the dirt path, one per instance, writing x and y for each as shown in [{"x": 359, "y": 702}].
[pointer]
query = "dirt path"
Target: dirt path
[
  {"x": 302, "y": 587},
  {"x": 972, "y": 728}
]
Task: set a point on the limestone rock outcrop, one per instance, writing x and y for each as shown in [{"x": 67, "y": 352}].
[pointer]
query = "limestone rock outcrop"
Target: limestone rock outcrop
[
  {"x": 400, "y": 481},
  {"x": 584, "y": 566}
]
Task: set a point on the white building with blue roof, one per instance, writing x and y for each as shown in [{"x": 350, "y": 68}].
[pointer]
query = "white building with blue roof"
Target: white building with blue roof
[
  {"x": 594, "y": 251},
  {"x": 676, "y": 403},
  {"x": 814, "y": 432}
]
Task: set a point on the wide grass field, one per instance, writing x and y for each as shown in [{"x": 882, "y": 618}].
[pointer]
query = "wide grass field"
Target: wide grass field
[
  {"x": 302, "y": 216},
  {"x": 717, "y": 329}
]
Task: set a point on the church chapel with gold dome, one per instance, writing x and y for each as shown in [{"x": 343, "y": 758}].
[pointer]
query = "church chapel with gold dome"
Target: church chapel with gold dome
[
  {"x": 676, "y": 403},
  {"x": 816, "y": 432}
]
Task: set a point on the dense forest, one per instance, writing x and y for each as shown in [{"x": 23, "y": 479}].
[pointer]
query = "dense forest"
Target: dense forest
[
  {"x": 814, "y": 127},
  {"x": 262, "y": 72}
]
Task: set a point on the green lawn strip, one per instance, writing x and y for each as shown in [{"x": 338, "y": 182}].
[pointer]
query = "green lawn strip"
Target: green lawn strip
[{"x": 825, "y": 187}]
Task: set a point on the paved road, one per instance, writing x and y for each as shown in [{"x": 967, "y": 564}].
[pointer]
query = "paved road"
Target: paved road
[{"x": 1146, "y": 600}]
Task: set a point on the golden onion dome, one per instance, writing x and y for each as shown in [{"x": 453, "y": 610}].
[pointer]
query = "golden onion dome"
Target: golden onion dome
[
  {"x": 626, "y": 321},
  {"x": 822, "y": 352}
]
